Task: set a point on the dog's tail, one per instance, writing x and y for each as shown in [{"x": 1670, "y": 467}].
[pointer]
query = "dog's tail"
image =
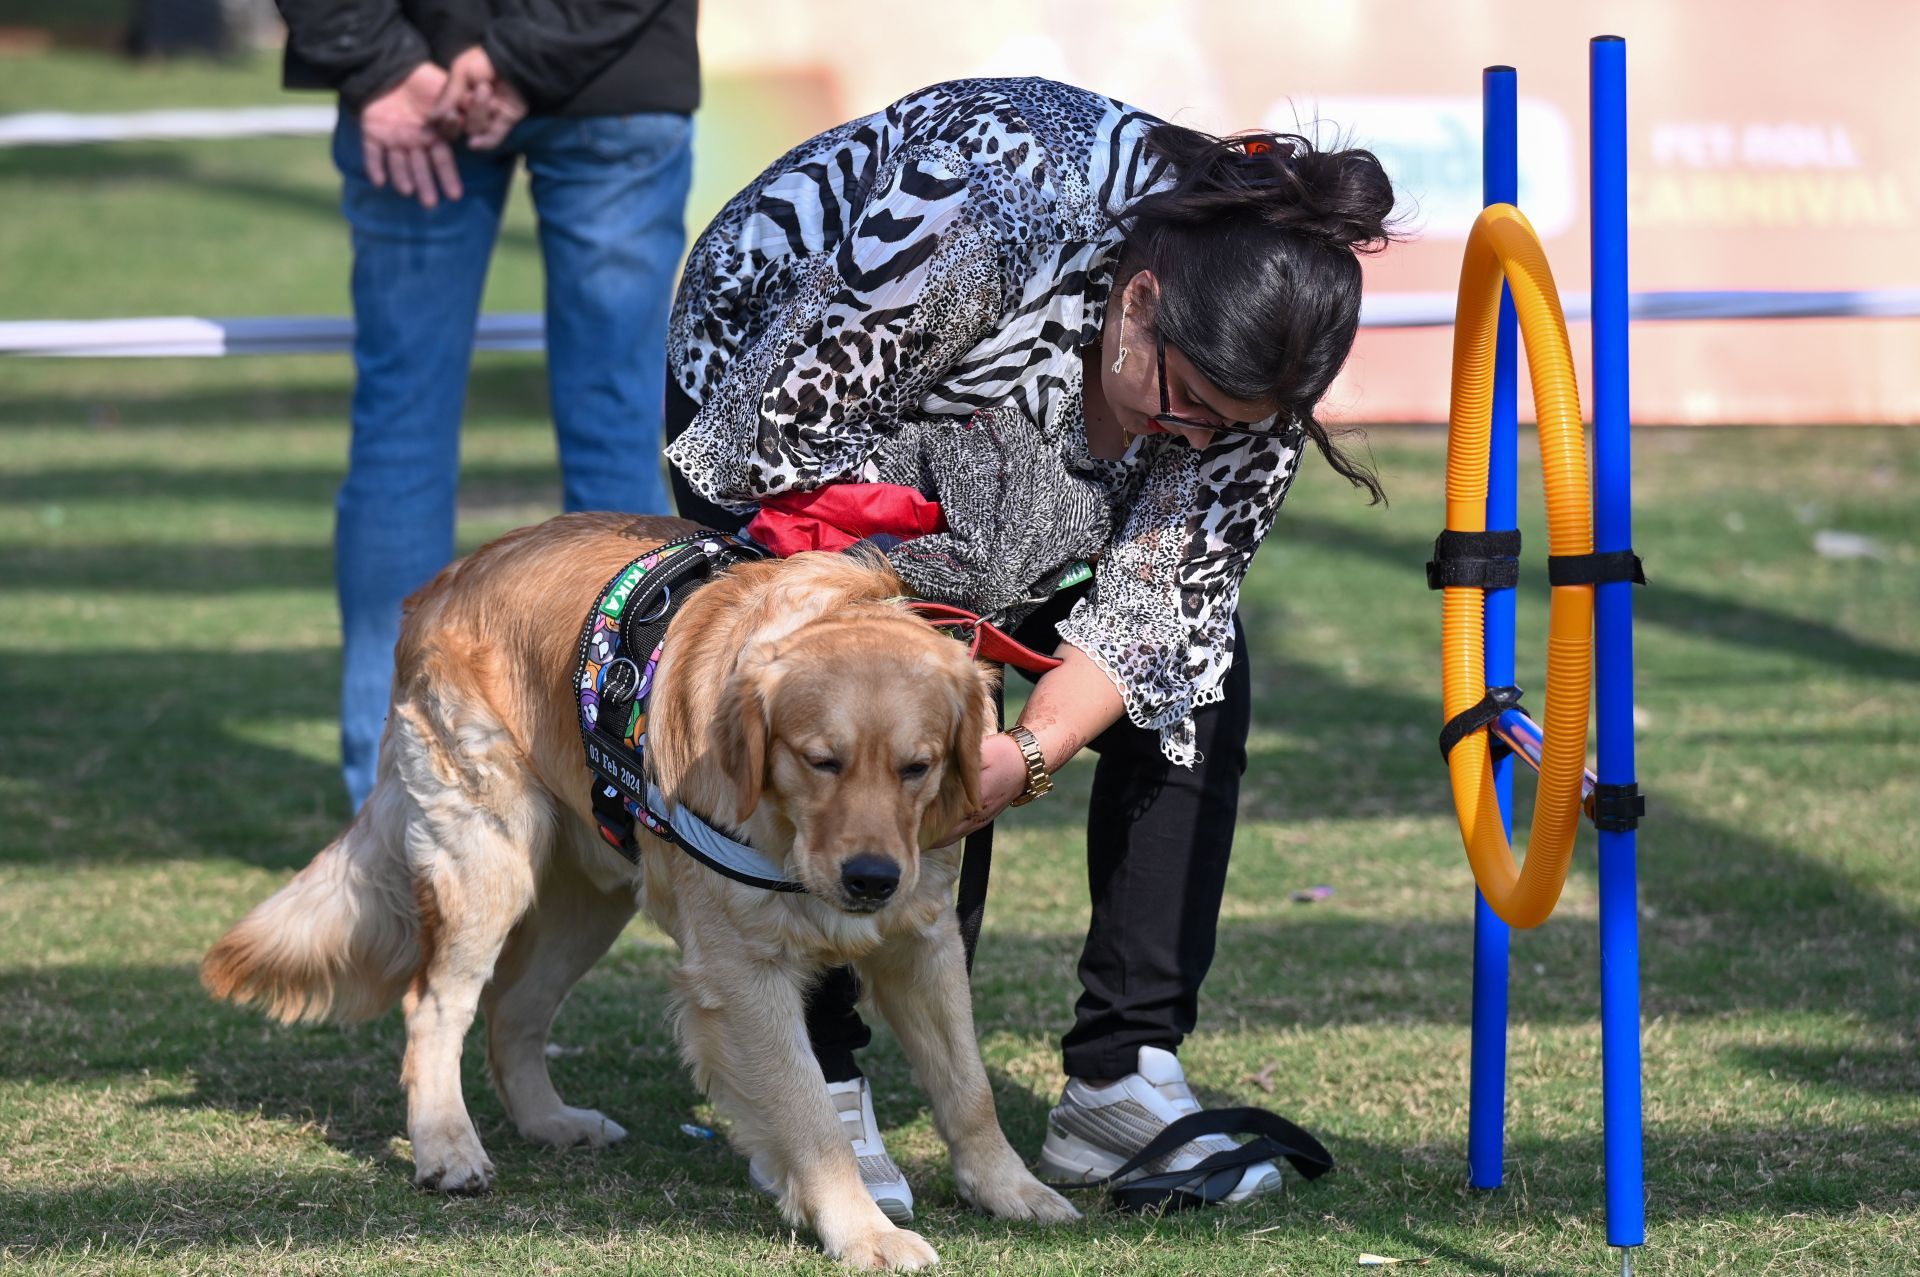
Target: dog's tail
[{"x": 340, "y": 941}]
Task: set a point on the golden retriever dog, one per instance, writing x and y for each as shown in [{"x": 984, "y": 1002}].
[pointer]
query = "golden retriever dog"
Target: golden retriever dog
[{"x": 799, "y": 707}]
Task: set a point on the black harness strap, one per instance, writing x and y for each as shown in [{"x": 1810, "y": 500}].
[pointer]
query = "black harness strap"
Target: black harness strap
[
  {"x": 1475, "y": 560},
  {"x": 1496, "y": 702},
  {"x": 976, "y": 865},
  {"x": 620, "y": 645},
  {"x": 1598, "y": 568},
  {"x": 1212, "y": 1178}
]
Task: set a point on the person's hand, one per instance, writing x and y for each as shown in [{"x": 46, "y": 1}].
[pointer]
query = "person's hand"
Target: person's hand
[
  {"x": 400, "y": 145},
  {"x": 1003, "y": 778},
  {"x": 478, "y": 102}
]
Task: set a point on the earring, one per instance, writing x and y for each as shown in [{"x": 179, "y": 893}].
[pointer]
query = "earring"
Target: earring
[{"x": 1120, "y": 360}]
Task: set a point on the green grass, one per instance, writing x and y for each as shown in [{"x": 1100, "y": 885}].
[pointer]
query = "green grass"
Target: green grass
[
  {"x": 253, "y": 226},
  {"x": 168, "y": 663}
]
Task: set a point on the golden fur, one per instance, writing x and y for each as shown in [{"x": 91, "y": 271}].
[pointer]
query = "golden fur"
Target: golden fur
[{"x": 797, "y": 706}]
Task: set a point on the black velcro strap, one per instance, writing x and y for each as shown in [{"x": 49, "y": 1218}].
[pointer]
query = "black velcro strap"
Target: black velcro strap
[
  {"x": 1618, "y": 808},
  {"x": 1212, "y": 1178},
  {"x": 1496, "y": 702},
  {"x": 1475, "y": 560},
  {"x": 1595, "y": 569}
]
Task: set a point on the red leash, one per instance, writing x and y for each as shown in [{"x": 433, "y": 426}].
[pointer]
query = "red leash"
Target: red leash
[{"x": 983, "y": 638}]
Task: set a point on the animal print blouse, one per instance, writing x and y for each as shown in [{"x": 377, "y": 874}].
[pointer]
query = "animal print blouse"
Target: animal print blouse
[{"x": 939, "y": 267}]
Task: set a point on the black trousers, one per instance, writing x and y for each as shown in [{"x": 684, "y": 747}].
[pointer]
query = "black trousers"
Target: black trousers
[{"x": 1158, "y": 839}]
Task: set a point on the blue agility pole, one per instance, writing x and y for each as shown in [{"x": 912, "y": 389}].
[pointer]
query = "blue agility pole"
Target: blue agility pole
[
  {"x": 1486, "y": 1112},
  {"x": 1477, "y": 643},
  {"x": 1616, "y": 798}
]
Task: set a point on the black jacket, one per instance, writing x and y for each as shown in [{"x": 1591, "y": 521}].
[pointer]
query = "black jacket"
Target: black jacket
[{"x": 568, "y": 57}]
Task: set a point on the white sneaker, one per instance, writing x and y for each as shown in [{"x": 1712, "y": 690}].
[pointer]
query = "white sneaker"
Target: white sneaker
[
  {"x": 854, "y": 1102},
  {"x": 1093, "y": 1131}
]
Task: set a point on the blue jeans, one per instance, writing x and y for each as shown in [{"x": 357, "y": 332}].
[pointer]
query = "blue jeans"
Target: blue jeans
[{"x": 610, "y": 193}]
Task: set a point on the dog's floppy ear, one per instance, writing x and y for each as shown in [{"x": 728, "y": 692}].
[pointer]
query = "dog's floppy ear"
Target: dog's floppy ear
[
  {"x": 974, "y": 689},
  {"x": 741, "y": 732}
]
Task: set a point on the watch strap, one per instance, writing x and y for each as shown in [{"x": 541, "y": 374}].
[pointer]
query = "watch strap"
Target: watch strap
[{"x": 1039, "y": 780}]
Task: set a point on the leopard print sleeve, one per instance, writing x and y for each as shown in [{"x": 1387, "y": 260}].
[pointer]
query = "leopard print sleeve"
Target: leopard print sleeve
[
  {"x": 867, "y": 326},
  {"x": 1159, "y": 619}
]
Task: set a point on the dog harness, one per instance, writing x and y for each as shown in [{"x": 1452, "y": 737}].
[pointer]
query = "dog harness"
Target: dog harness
[
  {"x": 620, "y": 648},
  {"x": 621, "y": 643}
]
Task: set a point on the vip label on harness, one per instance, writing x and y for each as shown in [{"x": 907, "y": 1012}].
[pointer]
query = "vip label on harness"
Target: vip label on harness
[{"x": 616, "y": 600}]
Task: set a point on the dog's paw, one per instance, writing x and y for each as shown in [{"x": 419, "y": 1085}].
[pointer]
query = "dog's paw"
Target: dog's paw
[
  {"x": 889, "y": 1249},
  {"x": 1018, "y": 1195},
  {"x": 574, "y": 1128},
  {"x": 454, "y": 1163}
]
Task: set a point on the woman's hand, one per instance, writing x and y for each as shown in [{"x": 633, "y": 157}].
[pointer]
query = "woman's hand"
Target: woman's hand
[
  {"x": 1070, "y": 705},
  {"x": 1003, "y": 778}
]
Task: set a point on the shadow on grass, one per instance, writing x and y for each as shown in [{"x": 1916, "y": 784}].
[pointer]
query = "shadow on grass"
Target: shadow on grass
[
  {"x": 173, "y": 773},
  {"x": 1721, "y": 896},
  {"x": 1889, "y": 1070},
  {"x": 127, "y": 755},
  {"x": 313, "y": 486},
  {"x": 500, "y": 389},
  {"x": 164, "y": 725},
  {"x": 197, "y": 569},
  {"x": 343, "y": 1081},
  {"x": 1715, "y": 616}
]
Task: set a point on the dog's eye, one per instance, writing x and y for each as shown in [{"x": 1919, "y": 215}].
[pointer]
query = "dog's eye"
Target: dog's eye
[
  {"x": 827, "y": 763},
  {"x": 914, "y": 771}
]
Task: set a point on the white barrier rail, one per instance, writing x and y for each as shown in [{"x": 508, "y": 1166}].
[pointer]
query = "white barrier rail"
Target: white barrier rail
[
  {"x": 175, "y": 337},
  {"x": 64, "y": 128},
  {"x": 172, "y": 337},
  {"x": 1434, "y": 310}
]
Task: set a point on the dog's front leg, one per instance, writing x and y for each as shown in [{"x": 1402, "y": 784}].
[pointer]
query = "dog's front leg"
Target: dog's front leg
[
  {"x": 919, "y": 981},
  {"x": 743, "y": 1028}
]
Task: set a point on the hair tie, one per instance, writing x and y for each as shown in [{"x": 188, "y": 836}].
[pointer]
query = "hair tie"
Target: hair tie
[{"x": 1254, "y": 146}]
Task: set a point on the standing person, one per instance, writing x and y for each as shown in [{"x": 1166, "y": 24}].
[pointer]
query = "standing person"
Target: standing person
[
  {"x": 439, "y": 101},
  {"x": 1089, "y": 335}
]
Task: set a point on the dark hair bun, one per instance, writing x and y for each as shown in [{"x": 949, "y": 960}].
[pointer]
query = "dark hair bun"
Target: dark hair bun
[
  {"x": 1341, "y": 198},
  {"x": 1254, "y": 242}
]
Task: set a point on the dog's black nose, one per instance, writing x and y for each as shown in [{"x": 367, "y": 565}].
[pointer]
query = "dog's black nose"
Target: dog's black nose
[{"x": 869, "y": 878}]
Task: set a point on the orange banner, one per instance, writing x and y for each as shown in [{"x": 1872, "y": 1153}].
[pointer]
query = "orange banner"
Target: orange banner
[{"x": 1768, "y": 148}]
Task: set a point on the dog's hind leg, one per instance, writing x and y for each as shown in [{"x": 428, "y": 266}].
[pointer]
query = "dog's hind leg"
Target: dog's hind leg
[
  {"x": 569, "y": 928},
  {"x": 743, "y": 1030},
  {"x": 919, "y": 982},
  {"x": 475, "y": 841}
]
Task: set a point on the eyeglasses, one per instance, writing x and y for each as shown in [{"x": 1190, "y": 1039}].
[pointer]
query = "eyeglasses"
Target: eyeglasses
[{"x": 1164, "y": 417}]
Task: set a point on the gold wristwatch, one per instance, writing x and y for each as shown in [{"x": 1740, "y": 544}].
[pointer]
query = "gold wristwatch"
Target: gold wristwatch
[{"x": 1039, "y": 780}]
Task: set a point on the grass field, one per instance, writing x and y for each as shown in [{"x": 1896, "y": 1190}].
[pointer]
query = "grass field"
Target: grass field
[{"x": 168, "y": 662}]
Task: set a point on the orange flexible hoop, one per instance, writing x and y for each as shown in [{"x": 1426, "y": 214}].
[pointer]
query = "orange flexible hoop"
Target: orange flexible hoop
[{"x": 1503, "y": 248}]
